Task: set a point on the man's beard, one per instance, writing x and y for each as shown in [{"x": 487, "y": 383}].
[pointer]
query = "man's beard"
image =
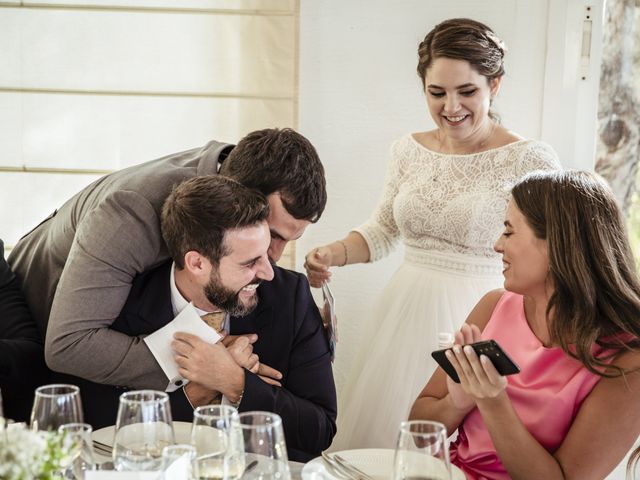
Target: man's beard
[{"x": 227, "y": 299}]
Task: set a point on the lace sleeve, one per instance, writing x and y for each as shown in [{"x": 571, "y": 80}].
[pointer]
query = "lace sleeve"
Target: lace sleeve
[
  {"x": 381, "y": 231},
  {"x": 537, "y": 156}
]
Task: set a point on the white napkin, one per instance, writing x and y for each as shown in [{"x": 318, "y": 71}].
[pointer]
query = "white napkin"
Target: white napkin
[
  {"x": 180, "y": 469},
  {"x": 159, "y": 342}
]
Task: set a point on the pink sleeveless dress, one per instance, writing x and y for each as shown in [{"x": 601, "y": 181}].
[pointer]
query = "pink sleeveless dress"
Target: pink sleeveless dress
[{"x": 546, "y": 394}]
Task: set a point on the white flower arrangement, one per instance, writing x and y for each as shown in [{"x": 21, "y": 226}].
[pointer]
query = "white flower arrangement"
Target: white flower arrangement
[{"x": 30, "y": 455}]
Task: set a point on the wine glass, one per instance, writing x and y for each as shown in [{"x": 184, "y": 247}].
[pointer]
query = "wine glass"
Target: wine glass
[
  {"x": 175, "y": 453},
  {"x": 422, "y": 452},
  {"x": 217, "y": 437},
  {"x": 143, "y": 429},
  {"x": 264, "y": 446},
  {"x": 55, "y": 405},
  {"x": 77, "y": 441}
]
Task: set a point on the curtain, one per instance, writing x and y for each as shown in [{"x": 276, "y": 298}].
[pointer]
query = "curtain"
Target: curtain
[{"x": 88, "y": 87}]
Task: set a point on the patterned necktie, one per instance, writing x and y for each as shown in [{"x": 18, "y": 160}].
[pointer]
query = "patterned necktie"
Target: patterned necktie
[{"x": 215, "y": 320}]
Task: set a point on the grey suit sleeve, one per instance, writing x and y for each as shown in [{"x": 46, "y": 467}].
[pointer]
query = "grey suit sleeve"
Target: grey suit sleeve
[{"x": 117, "y": 240}]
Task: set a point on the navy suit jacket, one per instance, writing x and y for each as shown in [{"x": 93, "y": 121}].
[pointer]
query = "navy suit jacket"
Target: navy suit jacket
[
  {"x": 22, "y": 366},
  {"x": 291, "y": 339}
]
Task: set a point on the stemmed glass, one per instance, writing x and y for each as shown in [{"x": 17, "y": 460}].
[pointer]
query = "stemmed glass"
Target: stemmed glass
[
  {"x": 422, "y": 452},
  {"x": 56, "y": 405},
  {"x": 77, "y": 440},
  {"x": 264, "y": 446},
  {"x": 218, "y": 440},
  {"x": 143, "y": 428},
  {"x": 173, "y": 456}
]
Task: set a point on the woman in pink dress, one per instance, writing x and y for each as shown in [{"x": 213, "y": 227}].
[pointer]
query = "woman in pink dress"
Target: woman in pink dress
[{"x": 570, "y": 318}]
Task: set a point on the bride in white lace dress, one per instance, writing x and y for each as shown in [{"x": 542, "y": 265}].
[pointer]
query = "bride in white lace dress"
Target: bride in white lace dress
[{"x": 445, "y": 197}]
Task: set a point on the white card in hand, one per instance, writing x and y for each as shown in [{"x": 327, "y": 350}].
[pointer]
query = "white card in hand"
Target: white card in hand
[
  {"x": 159, "y": 342},
  {"x": 329, "y": 318}
]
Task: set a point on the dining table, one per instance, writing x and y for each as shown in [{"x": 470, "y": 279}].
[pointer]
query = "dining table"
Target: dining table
[{"x": 104, "y": 461}]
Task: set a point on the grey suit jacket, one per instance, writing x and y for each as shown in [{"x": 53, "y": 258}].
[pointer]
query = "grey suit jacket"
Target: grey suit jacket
[{"x": 76, "y": 268}]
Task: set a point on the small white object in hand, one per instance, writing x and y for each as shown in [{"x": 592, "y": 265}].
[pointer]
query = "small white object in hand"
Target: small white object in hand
[{"x": 445, "y": 340}]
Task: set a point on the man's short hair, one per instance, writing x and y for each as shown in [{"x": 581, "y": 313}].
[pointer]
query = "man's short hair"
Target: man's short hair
[
  {"x": 199, "y": 211},
  {"x": 281, "y": 160}
]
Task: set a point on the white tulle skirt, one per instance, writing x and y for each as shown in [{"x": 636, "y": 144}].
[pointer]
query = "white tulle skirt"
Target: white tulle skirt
[{"x": 430, "y": 293}]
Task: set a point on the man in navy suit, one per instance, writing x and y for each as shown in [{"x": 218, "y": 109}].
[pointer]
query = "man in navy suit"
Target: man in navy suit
[
  {"x": 22, "y": 367},
  {"x": 216, "y": 233}
]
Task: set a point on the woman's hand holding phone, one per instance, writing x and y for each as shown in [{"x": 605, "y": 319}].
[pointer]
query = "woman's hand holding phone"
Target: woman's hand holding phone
[
  {"x": 459, "y": 398},
  {"x": 478, "y": 376},
  {"x": 472, "y": 374}
]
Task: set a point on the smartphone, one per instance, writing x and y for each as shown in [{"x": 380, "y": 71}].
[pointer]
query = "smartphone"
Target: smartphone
[{"x": 504, "y": 365}]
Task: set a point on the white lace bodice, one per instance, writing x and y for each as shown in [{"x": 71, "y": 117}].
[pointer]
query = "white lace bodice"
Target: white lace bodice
[{"x": 449, "y": 203}]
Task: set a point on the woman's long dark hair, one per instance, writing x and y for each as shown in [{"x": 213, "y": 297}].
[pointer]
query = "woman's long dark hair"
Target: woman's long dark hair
[{"x": 596, "y": 298}]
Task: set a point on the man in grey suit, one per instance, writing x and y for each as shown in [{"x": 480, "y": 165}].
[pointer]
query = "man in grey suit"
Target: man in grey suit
[{"x": 76, "y": 268}]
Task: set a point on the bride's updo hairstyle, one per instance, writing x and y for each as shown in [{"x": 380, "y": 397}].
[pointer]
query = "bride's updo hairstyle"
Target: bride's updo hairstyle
[{"x": 463, "y": 39}]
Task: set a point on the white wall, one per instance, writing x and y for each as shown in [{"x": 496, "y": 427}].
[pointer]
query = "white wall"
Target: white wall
[
  {"x": 359, "y": 92},
  {"x": 572, "y": 80}
]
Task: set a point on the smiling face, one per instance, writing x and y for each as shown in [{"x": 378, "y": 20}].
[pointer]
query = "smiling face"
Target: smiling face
[
  {"x": 525, "y": 258},
  {"x": 232, "y": 286},
  {"x": 459, "y": 98},
  {"x": 283, "y": 226}
]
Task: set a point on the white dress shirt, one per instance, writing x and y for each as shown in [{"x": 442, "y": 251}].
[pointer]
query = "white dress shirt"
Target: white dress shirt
[{"x": 178, "y": 303}]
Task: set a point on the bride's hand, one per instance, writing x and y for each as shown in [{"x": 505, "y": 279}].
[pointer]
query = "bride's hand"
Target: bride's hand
[{"x": 317, "y": 263}]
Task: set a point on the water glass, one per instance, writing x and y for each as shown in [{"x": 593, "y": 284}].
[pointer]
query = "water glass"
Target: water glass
[
  {"x": 264, "y": 446},
  {"x": 316, "y": 471},
  {"x": 143, "y": 428},
  {"x": 176, "y": 453},
  {"x": 218, "y": 440},
  {"x": 422, "y": 452},
  {"x": 77, "y": 441},
  {"x": 56, "y": 405}
]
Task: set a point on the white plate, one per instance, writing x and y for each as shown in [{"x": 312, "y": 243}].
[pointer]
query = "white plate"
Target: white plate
[
  {"x": 182, "y": 431},
  {"x": 377, "y": 462}
]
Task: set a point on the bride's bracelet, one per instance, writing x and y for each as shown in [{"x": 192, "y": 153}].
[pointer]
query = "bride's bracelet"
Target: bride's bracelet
[{"x": 346, "y": 255}]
